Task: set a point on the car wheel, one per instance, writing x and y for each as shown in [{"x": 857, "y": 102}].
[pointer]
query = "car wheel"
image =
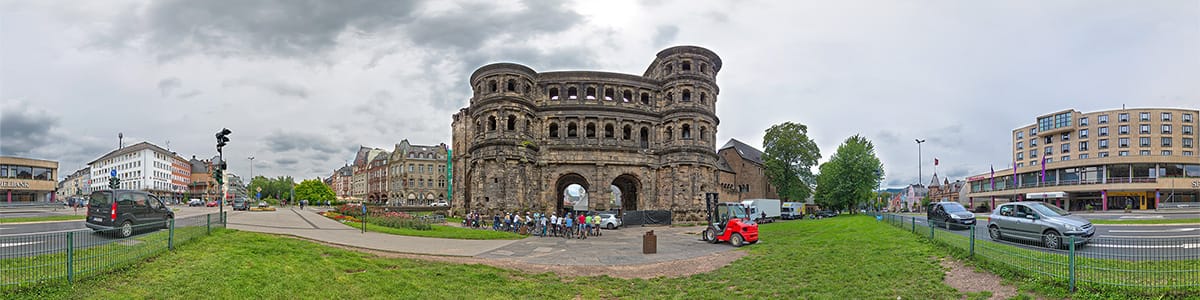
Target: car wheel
[
  {"x": 1052, "y": 239},
  {"x": 709, "y": 235},
  {"x": 994, "y": 232},
  {"x": 126, "y": 229},
  {"x": 946, "y": 224},
  {"x": 612, "y": 226},
  {"x": 736, "y": 240}
]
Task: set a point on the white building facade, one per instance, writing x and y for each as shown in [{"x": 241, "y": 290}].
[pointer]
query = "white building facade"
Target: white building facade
[{"x": 143, "y": 166}]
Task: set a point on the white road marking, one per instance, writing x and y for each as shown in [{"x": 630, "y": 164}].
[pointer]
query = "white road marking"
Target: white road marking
[
  {"x": 1185, "y": 246},
  {"x": 6, "y": 245},
  {"x": 1141, "y": 217},
  {"x": 1156, "y": 231}
]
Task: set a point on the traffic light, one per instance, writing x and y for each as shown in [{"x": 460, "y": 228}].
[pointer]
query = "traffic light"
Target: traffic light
[
  {"x": 114, "y": 183},
  {"x": 222, "y": 138},
  {"x": 219, "y": 172}
]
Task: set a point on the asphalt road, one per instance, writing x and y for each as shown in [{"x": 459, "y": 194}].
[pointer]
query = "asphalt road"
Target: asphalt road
[
  {"x": 1128, "y": 242},
  {"x": 28, "y": 239}
]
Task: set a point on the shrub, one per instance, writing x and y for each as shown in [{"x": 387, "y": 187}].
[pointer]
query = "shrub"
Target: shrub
[{"x": 400, "y": 222}]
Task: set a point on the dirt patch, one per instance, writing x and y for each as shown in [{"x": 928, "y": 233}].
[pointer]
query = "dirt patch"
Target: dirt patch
[
  {"x": 968, "y": 280},
  {"x": 676, "y": 268}
]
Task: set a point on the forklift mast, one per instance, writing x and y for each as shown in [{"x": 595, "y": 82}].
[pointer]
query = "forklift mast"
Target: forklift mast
[{"x": 710, "y": 204}]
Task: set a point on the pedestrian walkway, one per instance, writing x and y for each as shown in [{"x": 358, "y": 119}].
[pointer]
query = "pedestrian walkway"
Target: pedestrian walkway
[
  {"x": 310, "y": 225},
  {"x": 616, "y": 247}
]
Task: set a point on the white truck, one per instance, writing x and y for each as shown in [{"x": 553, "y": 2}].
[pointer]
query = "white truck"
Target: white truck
[
  {"x": 756, "y": 208},
  {"x": 792, "y": 211}
]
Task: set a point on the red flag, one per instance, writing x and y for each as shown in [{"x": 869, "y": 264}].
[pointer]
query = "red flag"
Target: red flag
[{"x": 935, "y": 161}]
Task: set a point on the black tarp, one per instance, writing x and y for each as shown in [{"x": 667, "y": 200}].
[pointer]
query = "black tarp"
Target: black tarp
[{"x": 646, "y": 217}]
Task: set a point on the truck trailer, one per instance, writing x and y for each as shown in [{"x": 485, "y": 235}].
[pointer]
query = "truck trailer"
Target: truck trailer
[
  {"x": 757, "y": 207},
  {"x": 791, "y": 211}
]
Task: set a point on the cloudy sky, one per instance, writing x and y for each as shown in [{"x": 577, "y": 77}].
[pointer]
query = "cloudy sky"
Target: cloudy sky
[{"x": 303, "y": 83}]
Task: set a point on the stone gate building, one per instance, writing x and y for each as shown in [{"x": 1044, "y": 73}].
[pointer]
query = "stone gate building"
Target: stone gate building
[{"x": 526, "y": 136}]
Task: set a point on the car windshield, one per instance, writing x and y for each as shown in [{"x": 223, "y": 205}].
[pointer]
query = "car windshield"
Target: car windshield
[
  {"x": 737, "y": 211},
  {"x": 101, "y": 198},
  {"x": 1049, "y": 211},
  {"x": 953, "y": 207}
]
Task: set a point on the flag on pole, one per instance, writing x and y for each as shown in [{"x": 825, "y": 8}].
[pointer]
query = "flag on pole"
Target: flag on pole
[
  {"x": 1014, "y": 173},
  {"x": 993, "y": 179},
  {"x": 1043, "y": 169},
  {"x": 935, "y": 161}
]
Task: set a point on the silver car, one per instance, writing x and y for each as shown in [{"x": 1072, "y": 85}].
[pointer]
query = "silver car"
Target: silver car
[
  {"x": 1038, "y": 222},
  {"x": 609, "y": 221}
]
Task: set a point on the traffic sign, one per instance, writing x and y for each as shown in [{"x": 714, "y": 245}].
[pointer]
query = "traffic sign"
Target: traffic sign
[
  {"x": 258, "y": 195},
  {"x": 113, "y": 173}
]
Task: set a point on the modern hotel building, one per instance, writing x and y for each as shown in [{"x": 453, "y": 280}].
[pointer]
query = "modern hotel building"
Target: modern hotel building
[{"x": 1136, "y": 158}]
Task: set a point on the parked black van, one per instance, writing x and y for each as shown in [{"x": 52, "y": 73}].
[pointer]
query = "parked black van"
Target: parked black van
[{"x": 123, "y": 210}]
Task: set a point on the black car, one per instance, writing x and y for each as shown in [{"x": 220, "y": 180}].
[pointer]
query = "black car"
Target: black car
[
  {"x": 949, "y": 215},
  {"x": 241, "y": 204},
  {"x": 123, "y": 210},
  {"x": 826, "y": 214}
]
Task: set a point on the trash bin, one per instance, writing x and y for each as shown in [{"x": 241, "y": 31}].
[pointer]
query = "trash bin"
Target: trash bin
[{"x": 649, "y": 243}]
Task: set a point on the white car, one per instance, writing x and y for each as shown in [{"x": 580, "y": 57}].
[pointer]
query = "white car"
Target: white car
[
  {"x": 440, "y": 204},
  {"x": 609, "y": 221}
]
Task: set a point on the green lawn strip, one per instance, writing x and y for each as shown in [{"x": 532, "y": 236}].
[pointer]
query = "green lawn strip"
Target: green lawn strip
[
  {"x": 442, "y": 231},
  {"x": 1047, "y": 273},
  {"x": 43, "y": 218},
  {"x": 1148, "y": 221},
  {"x": 849, "y": 258}
]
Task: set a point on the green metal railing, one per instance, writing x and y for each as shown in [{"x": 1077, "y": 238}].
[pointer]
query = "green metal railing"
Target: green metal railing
[
  {"x": 38, "y": 258},
  {"x": 1142, "y": 264}
]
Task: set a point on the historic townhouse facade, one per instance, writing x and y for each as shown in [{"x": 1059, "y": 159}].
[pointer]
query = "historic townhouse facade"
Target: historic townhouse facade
[{"x": 418, "y": 174}]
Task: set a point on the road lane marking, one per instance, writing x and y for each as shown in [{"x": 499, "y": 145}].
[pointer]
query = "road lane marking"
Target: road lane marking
[
  {"x": 1156, "y": 231},
  {"x": 1141, "y": 217},
  {"x": 1185, "y": 246},
  {"x": 6, "y": 245}
]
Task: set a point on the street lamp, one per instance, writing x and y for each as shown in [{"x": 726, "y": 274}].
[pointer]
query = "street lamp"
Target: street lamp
[
  {"x": 919, "y": 174},
  {"x": 251, "y": 158}
]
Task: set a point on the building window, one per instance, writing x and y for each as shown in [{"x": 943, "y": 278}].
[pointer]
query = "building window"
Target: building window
[
  {"x": 1020, "y": 165},
  {"x": 591, "y": 130},
  {"x": 1166, "y": 142},
  {"x": 1187, "y": 129},
  {"x": 1144, "y": 116},
  {"x": 1049, "y": 150},
  {"x": 1020, "y": 145},
  {"x": 608, "y": 131},
  {"x": 1083, "y": 121},
  {"x": 1055, "y": 121},
  {"x": 591, "y": 93},
  {"x": 670, "y": 133},
  {"x": 572, "y": 130},
  {"x": 1103, "y": 143},
  {"x": 1187, "y": 117},
  {"x": 1144, "y": 141},
  {"x": 1065, "y": 158},
  {"x": 626, "y": 133},
  {"x": 1166, "y": 153},
  {"x": 1083, "y": 133},
  {"x": 1083, "y": 156},
  {"x": 1020, "y": 155},
  {"x": 1123, "y": 117},
  {"x": 645, "y": 98},
  {"x": 1103, "y": 131},
  {"x": 1123, "y": 153},
  {"x": 1020, "y": 135},
  {"x": 1066, "y": 148},
  {"x": 1102, "y": 119},
  {"x": 1103, "y": 154},
  {"x": 1123, "y": 142},
  {"x": 1049, "y": 160},
  {"x": 609, "y": 94},
  {"x": 1144, "y": 129},
  {"x": 512, "y": 122},
  {"x": 1083, "y": 146},
  {"x": 1033, "y": 143},
  {"x": 687, "y": 95},
  {"x": 686, "y": 131},
  {"x": 1066, "y": 136},
  {"x": 1032, "y": 153},
  {"x": 1187, "y": 142},
  {"x": 572, "y": 93},
  {"x": 1124, "y": 129},
  {"x": 1144, "y": 153},
  {"x": 491, "y": 123},
  {"x": 1049, "y": 139},
  {"x": 1166, "y": 116},
  {"x": 1032, "y": 131},
  {"x": 1187, "y": 153},
  {"x": 626, "y": 96},
  {"x": 1166, "y": 129}
]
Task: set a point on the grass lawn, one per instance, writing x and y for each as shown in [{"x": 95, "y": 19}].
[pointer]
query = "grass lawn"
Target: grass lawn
[
  {"x": 40, "y": 219},
  {"x": 442, "y": 231},
  {"x": 848, "y": 258},
  {"x": 1148, "y": 221}
]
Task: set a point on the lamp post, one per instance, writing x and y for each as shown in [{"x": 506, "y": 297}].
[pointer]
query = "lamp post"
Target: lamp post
[
  {"x": 251, "y": 158},
  {"x": 920, "y": 179}
]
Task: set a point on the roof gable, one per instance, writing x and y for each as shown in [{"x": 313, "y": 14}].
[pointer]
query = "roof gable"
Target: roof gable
[{"x": 745, "y": 151}]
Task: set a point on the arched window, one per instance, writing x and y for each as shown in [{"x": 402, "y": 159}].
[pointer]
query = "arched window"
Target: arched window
[
  {"x": 668, "y": 69},
  {"x": 609, "y": 94},
  {"x": 528, "y": 88},
  {"x": 572, "y": 130},
  {"x": 703, "y": 133},
  {"x": 492, "y": 86},
  {"x": 554, "y": 93},
  {"x": 554, "y": 130},
  {"x": 703, "y": 98},
  {"x": 644, "y": 138},
  {"x": 645, "y": 98},
  {"x": 512, "y": 122},
  {"x": 527, "y": 125},
  {"x": 626, "y": 132},
  {"x": 626, "y": 96},
  {"x": 687, "y": 95},
  {"x": 591, "y": 130},
  {"x": 572, "y": 93},
  {"x": 591, "y": 93},
  {"x": 491, "y": 123},
  {"x": 512, "y": 85},
  {"x": 685, "y": 131},
  {"x": 670, "y": 133},
  {"x": 608, "y": 131},
  {"x": 687, "y": 66},
  {"x": 670, "y": 97},
  {"x": 704, "y": 68}
]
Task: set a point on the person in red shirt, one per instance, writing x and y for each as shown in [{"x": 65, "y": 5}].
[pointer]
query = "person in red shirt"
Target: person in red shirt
[{"x": 582, "y": 218}]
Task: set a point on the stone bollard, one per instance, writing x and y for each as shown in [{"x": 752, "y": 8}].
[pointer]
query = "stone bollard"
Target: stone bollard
[{"x": 649, "y": 243}]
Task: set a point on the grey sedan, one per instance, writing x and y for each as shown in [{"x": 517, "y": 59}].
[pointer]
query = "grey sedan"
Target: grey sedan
[{"x": 1038, "y": 222}]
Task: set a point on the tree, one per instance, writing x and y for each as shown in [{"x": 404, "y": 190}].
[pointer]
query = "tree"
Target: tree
[
  {"x": 850, "y": 176},
  {"x": 279, "y": 187},
  {"x": 789, "y": 156},
  {"x": 314, "y": 190}
]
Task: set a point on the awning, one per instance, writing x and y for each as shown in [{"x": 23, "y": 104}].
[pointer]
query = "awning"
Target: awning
[{"x": 1049, "y": 195}]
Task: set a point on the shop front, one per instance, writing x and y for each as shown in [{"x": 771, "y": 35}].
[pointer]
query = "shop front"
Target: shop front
[{"x": 24, "y": 180}]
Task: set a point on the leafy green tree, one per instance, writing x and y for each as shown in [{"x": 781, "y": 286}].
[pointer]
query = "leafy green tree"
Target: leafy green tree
[
  {"x": 850, "y": 176},
  {"x": 314, "y": 190},
  {"x": 789, "y": 156},
  {"x": 279, "y": 187}
]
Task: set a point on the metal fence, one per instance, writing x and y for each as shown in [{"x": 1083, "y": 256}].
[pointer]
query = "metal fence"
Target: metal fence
[
  {"x": 1169, "y": 265},
  {"x": 38, "y": 258}
]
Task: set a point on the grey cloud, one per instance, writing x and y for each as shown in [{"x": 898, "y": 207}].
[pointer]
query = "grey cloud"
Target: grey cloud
[
  {"x": 279, "y": 141},
  {"x": 665, "y": 34},
  {"x": 286, "y": 161},
  {"x": 189, "y": 94},
  {"x": 168, "y": 85},
  {"x": 24, "y": 128},
  {"x": 279, "y": 88},
  {"x": 467, "y": 28}
]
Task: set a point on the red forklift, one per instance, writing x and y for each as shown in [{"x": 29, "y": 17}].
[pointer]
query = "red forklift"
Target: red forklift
[{"x": 727, "y": 221}]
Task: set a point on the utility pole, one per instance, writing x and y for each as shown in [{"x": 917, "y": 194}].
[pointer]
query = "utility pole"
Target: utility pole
[{"x": 920, "y": 179}]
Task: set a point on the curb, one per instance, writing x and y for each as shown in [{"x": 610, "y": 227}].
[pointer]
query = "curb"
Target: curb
[{"x": 1146, "y": 225}]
